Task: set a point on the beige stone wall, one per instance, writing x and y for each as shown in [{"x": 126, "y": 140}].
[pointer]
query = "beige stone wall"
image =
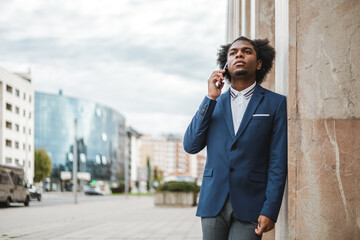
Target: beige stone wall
[
  {"x": 266, "y": 29},
  {"x": 325, "y": 199},
  {"x": 328, "y": 59},
  {"x": 324, "y": 123}
]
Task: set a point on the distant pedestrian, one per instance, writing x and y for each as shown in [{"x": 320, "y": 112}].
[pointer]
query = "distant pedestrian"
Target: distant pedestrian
[{"x": 245, "y": 132}]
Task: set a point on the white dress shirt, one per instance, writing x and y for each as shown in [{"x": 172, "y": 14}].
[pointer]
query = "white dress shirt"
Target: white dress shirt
[{"x": 239, "y": 103}]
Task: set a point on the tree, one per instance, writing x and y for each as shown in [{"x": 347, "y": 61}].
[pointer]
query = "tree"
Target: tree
[
  {"x": 42, "y": 165},
  {"x": 157, "y": 174},
  {"x": 149, "y": 180}
]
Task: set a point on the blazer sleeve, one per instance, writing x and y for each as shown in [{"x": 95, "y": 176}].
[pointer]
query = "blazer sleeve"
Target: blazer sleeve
[
  {"x": 196, "y": 133},
  {"x": 277, "y": 171}
]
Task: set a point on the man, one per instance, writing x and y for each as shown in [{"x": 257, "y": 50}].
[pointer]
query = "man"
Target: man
[{"x": 245, "y": 132}]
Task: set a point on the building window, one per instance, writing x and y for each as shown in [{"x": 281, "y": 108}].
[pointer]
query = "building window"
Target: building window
[
  {"x": 8, "y": 125},
  {"x": 29, "y": 148},
  {"x": 24, "y": 130},
  {"x": 24, "y": 113},
  {"x": 8, "y": 160},
  {"x": 17, "y": 162},
  {"x": 29, "y": 164},
  {"x": 23, "y": 163},
  {"x": 23, "y": 146},
  {"x": 9, "y": 89},
  {"x": 24, "y": 96},
  {"x": 17, "y": 92},
  {"x": 17, "y": 110},
  {"x": 29, "y": 131},
  {"x": 17, "y": 145},
  {"x": 29, "y": 115},
  {"x": 17, "y": 127},
  {"x": 8, "y": 106},
  {"x": 29, "y": 98},
  {"x": 8, "y": 143}
]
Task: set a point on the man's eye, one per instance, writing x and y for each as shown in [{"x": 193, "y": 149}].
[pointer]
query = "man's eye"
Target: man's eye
[
  {"x": 248, "y": 52},
  {"x": 232, "y": 53}
]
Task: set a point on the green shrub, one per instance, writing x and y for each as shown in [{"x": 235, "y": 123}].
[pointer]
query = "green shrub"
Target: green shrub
[
  {"x": 120, "y": 188},
  {"x": 175, "y": 186},
  {"x": 117, "y": 190}
]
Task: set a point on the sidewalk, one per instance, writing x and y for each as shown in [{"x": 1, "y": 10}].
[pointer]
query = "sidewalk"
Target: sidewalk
[
  {"x": 52, "y": 195},
  {"x": 120, "y": 218}
]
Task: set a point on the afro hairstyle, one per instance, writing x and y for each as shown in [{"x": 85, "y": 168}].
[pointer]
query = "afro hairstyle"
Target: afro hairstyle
[{"x": 263, "y": 49}]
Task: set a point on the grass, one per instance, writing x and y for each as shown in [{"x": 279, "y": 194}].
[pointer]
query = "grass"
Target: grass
[{"x": 133, "y": 194}]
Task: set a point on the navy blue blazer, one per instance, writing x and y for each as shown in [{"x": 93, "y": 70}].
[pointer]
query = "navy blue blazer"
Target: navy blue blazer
[{"x": 251, "y": 166}]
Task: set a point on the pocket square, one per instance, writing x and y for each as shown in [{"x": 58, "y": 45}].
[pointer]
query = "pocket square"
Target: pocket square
[{"x": 261, "y": 115}]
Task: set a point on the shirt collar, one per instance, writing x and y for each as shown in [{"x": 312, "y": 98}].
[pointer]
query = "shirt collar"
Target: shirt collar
[{"x": 247, "y": 92}]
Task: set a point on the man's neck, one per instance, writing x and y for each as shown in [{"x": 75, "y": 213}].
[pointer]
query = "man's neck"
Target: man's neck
[{"x": 241, "y": 84}]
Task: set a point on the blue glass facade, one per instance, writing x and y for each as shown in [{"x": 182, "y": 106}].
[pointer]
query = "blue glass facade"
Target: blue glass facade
[{"x": 100, "y": 135}]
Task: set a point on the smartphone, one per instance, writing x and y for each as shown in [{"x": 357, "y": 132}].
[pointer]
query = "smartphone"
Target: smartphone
[{"x": 217, "y": 83}]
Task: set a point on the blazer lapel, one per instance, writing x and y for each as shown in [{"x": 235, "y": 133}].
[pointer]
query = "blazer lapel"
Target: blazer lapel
[
  {"x": 251, "y": 108},
  {"x": 226, "y": 108}
]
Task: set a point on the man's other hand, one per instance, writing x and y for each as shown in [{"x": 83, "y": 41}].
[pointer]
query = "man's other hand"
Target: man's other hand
[{"x": 265, "y": 224}]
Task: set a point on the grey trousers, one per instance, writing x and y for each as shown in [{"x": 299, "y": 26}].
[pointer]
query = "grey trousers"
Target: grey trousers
[{"x": 225, "y": 226}]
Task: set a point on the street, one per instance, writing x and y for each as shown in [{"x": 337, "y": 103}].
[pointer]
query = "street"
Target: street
[{"x": 98, "y": 217}]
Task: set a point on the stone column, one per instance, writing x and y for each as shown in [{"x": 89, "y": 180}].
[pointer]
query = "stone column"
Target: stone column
[
  {"x": 324, "y": 125},
  {"x": 253, "y": 19},
  {"x": 265, "y": 24},
  {"x": 233, "y": 20},
  {"x": 245, "y": 16},
  {"x": 281, "y": 86}
]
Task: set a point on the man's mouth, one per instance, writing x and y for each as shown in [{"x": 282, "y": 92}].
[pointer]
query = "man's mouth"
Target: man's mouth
[{"x": 239, "y": 63}]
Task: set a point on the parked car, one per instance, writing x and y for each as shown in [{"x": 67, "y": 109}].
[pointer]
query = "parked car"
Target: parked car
[
  {"x": 93, "y": 191},
  {"x": 35, "y": 194},
  {"x": 12, "y": 185}
]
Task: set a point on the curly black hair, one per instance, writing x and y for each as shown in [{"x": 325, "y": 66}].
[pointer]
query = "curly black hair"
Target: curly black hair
[{"x": 263, "y": 49}]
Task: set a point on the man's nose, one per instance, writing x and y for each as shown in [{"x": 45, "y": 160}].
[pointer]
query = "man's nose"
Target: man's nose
[{"x": 239, "y": 54}]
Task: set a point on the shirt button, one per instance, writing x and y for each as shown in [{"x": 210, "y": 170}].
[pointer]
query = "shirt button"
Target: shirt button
[
  {"x": 233, "y": 147},
  {"x": 231, "y": 169}
]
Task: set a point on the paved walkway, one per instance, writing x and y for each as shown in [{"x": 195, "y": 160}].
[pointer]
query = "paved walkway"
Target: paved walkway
[{"x": 120, "y": 218}]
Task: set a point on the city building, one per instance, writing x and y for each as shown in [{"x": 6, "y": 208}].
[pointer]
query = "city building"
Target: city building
[
  {"x": 132, "y": 157},
  {"x": 100, "y": 139},
  {"x": 166, "y": 156},
  {"x": 17, "y": 121}
]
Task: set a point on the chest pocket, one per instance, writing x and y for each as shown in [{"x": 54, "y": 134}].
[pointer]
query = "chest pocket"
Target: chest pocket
[
  {"x": 261, "y": 123},
  {"x": 261, "y": 117},
  {"x": 260, "y": 128}
]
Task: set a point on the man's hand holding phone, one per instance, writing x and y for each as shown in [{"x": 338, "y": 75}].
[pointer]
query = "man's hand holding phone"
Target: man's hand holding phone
[{"x": 214, "y": 90}]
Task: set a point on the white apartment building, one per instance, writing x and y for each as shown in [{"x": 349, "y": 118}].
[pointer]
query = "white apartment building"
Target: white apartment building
[
  {"x": 167, "y": 154},
  {"x": 132, "y": 156},
  {"x": 160, "y": 152},
  {"x": 17, "y": 121}
]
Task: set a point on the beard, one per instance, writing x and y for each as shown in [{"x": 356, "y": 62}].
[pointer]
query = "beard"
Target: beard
[{"x": 240, "y": 72}]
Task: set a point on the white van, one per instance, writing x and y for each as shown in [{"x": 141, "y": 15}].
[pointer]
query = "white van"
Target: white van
[{"x": 12, "y": 186}]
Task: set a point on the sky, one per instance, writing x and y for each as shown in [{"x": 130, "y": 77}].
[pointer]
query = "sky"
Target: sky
[{"x": 148, "y": 59}]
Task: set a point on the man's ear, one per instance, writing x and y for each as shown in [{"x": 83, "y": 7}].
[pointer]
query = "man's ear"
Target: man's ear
[{"x": 259, "y": 64}]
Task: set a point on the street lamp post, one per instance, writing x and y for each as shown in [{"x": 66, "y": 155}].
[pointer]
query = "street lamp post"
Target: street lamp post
[
  {"x": 75, "y": 164},
  {"x": 126, "y": 177}
]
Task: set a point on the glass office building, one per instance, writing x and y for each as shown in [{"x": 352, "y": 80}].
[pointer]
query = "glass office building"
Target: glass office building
[{"x": 100, "y": 136}]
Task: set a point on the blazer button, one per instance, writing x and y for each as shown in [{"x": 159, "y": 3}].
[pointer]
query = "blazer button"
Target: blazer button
[
  {"x": 233, "y": 147},
  {"x": 231, "y": 169}
]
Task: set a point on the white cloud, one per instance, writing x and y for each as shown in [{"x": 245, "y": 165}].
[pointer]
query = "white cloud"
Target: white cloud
[{"x": 150, "y": 60}]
